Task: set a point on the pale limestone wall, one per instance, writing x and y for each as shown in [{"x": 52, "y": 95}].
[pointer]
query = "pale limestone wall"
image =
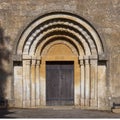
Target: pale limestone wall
[{"x": 104, "y": 15}]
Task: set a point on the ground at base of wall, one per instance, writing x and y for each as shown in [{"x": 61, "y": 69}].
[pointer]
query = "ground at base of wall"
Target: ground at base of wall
[
  {"x": 56, "y": 113},
  {"x": 64, "y": 107}
]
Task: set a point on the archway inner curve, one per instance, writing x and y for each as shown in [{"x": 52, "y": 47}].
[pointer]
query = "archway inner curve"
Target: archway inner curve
[{"x": 64, "y": 38}]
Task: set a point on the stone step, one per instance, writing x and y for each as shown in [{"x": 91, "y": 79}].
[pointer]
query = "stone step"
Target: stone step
[
  {"x": 63, "y": 107},
  {"x": 117, "y": 110}
]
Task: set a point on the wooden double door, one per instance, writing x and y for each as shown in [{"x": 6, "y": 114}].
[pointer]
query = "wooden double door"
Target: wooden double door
[{"x": 59, "y": 83}]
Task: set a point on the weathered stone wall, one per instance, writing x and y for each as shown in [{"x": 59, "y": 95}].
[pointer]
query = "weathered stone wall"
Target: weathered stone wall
[{"x": 104, "y": 15}]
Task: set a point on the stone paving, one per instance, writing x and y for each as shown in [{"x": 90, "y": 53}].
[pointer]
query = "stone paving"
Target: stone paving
[{"x": 56, "y": 113}]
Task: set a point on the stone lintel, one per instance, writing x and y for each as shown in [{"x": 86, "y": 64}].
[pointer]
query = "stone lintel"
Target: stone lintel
[
  {"x": 103, "y": 57},
  {"x": 86, "y": 57},
  {"x": 94, "y": 57},
  {"x": 34, "y": 57},
  {"x": 93, "y": 61},
  {"x": 26, "y": 57},
  {"x": 16, "y": 57},
  {"x": 28, "y": 62}
]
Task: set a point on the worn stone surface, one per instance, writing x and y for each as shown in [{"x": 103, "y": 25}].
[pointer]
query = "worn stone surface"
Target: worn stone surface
[
  {"x": 56, "y": 112},
  {"x": 104, "y": 15}
]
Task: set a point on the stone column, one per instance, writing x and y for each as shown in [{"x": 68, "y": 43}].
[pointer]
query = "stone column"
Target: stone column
[
  {"x": 26, "y": 83},
  {"x": 94, "y": 79},
  {"x": 37, "y": 82},
  {"x": 82, "y": 85},
  {"x": 87, "y": 81},
  {"x": 18, "y": 97},
  {"x": 102, "y": 87},
  {"x": 76, "y": 84},
  {"x": 33, "y": 80},
  {"x": 43, "y": 84}
]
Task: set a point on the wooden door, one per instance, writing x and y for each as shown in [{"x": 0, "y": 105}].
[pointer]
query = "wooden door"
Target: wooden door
[{"x": 59, "y": 83}]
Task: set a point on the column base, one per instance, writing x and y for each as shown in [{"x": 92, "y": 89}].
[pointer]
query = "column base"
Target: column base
[{"x": 82, "y": 102}]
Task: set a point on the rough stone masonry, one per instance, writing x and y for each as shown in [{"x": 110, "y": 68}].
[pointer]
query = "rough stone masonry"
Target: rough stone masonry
[{"x": 34, "y": 32}]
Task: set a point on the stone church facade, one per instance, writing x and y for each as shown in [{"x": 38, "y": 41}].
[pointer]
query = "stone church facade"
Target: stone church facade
[{"x": 60, "y": 52}]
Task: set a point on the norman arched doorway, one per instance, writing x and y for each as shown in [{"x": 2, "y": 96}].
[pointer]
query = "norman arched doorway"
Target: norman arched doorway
[{"x": 60, "y": 38}]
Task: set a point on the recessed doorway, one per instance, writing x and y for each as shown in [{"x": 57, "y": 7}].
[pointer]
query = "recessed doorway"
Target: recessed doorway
[{"x": 60, "y": 83}]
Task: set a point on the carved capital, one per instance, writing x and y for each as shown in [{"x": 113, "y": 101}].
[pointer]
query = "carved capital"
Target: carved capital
[
  {"x": 86, "y": 61},
  {"x": 37, "y": 62},
  {"x": 81, "y": 62},
  {"x": 33, "y": 61},
  {"x": 93, "y": 62},
  {"x": 28, "y": 62}
]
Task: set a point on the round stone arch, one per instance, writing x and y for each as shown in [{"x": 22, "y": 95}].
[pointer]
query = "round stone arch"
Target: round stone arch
[
  {"x": 89, "y": 62},
  {"x": 64, "y": 38}
]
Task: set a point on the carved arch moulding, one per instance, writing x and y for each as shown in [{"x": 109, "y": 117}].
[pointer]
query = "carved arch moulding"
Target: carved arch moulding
[{"x": 76, "y": 34}]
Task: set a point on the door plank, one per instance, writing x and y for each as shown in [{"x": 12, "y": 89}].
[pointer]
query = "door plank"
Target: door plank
[{"x": 59, "y": 83}]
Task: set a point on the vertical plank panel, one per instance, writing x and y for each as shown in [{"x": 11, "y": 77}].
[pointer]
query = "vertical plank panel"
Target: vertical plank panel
[{"x": 59, "y": 83}]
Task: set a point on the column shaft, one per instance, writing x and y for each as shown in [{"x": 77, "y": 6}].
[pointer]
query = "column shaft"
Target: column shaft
[
  {"x": 93, "y": 67},
  {"x": 87, "y": 82},
  {"x": 38, "y": 83},
  {"x": 33, "y": 77},
  {"x": 82, "y": 83},
  {"x": 24, "y": 82},
  {"x": 28, "y": 83}
]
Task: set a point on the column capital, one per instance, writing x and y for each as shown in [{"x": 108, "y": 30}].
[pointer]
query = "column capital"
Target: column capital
[
  {"x": 34, "y": 57},
  {"x": 80, "y": 57},
  {"x": 81, "y": 62},
  {"x": 26, "y": 57},
  {"x": 93, "y": 57},
  {"x": 86, "y": 58},
  {"x": 33, "y": 61},
  {"x": 93, "y": 61},
  {"x": 28, "y": 62},
  {"x": 38, "y": 62},
  {"x": 86, "y": 61}
]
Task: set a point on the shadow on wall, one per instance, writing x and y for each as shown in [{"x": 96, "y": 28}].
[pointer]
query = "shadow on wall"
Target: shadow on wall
[{"x": 4, "y": 65}]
